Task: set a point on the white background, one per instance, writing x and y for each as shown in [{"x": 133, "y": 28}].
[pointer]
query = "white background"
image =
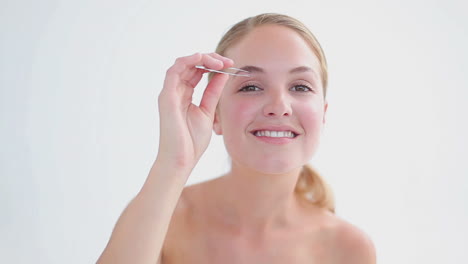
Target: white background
[{"x": 79, "y": 123}]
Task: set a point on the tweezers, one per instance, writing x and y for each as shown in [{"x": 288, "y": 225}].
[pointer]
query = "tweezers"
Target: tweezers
[{"x": 225, "y": 72}]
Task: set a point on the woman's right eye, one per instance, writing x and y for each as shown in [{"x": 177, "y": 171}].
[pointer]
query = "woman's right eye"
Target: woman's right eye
[{"x": 249, "y": 88}]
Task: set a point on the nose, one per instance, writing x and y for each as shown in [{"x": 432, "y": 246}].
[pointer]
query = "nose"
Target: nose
[{"x": 277, "y": 105}]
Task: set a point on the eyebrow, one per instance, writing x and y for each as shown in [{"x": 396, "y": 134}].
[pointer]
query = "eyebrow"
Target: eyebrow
[
  {"x": 250, "y": 69},
  {"x": 302, "y": 69},
  {"x": 255, "y": 69}
]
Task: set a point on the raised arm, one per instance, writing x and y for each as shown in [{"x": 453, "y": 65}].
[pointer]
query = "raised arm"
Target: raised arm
[{"x": 185, "y": 132}]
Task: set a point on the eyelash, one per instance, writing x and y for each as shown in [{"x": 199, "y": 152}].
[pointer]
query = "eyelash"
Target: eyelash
[
  {"x": 307, "y": 88},
  {"x": 244, "y": 88}
]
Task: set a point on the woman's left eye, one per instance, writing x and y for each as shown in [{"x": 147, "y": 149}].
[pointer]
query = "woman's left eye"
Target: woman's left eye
[
  {"x": 301, "y": 88},
  {"x": 250, "y": 88}
]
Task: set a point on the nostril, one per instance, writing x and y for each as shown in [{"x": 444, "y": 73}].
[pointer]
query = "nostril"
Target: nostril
[{"x": 273, "y": 114}]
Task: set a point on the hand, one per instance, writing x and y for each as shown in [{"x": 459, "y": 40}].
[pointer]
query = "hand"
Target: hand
[{"x": 185, "y": 129}]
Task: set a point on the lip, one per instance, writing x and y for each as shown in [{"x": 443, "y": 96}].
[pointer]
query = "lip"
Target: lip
[
  {"x": 275, "y": 140},
  {"x": 276, "y": 128}
]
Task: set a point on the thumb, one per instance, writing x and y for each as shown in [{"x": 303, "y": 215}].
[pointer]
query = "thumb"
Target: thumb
[{"x": 212, "y": 94}]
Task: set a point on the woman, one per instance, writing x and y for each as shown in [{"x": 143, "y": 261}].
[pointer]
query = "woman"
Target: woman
[{"x": 271, "y": 121}]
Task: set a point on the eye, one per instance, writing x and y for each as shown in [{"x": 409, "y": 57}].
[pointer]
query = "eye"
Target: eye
[
  {"x": 250, "y": 88},
  {"x": 301, "y": 88}
]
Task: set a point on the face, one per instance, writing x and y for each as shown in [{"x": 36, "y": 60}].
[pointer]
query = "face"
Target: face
[{"x": 272, "y": 121}]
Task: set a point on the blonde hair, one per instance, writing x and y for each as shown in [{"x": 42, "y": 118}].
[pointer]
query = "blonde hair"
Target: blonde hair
[
  {"x": 310, "y": 184},
  {"x": 239, "y": 30}
]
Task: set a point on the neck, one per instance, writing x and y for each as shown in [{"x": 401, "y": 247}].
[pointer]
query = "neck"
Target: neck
[{"x": 250, "y": 201}]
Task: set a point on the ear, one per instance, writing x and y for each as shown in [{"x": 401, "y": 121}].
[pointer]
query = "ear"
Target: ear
[
  {"x": 325, "y": 107},
  {"x": 217, "y": 124}
]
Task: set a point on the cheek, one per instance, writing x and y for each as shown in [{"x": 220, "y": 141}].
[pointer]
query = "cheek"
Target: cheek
[
  {"x": 239, "y": 113},
  {"x": 311, "y": 116},
  {"x": 236, "y": 117}
]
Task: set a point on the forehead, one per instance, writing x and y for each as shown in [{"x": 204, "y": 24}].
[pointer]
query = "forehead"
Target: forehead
[{"x": 273, "y": 47}]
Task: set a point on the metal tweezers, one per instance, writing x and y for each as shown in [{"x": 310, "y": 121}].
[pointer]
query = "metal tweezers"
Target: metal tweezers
[{"x": 226, "y": 72}]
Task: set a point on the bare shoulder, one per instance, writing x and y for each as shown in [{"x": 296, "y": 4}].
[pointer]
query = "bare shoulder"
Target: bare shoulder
[
  {"x": 188, "y": 208},
  {"x": 351, "y": 244},
  {"x": 180, "y": 225},
  {"x": 184, "y": 207}
]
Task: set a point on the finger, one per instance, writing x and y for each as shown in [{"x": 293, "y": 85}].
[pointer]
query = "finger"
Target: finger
[
  {"x": 196, "y": 78},
  {"x": 227, "y": 61},
  {"x": 212, "y": 62},
  {"x": 183, "y": 70},
  {"x": 184, "y": 67},
  {"x": 212, "y": 94},
  {"x": 207, "y": 60},
  {"x": 199, "y": 59}
]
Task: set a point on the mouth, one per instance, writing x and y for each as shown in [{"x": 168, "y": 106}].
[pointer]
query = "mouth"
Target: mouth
[{"x": 275, "y": 133}]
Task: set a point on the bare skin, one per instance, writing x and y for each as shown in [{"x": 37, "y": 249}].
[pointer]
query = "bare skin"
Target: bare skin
[
  {"x": 198, "y": 234},
  {"x": 251, "y": 214}
]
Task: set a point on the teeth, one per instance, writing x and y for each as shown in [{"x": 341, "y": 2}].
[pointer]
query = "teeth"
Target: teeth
[{"x": 266, "y": 133}]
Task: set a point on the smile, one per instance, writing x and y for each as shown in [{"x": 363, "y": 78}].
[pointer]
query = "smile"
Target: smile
[{"x": 274, "y": 134}]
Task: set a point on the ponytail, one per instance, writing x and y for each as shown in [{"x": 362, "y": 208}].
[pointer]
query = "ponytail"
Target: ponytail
[{"x": 313, "y": 188}]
